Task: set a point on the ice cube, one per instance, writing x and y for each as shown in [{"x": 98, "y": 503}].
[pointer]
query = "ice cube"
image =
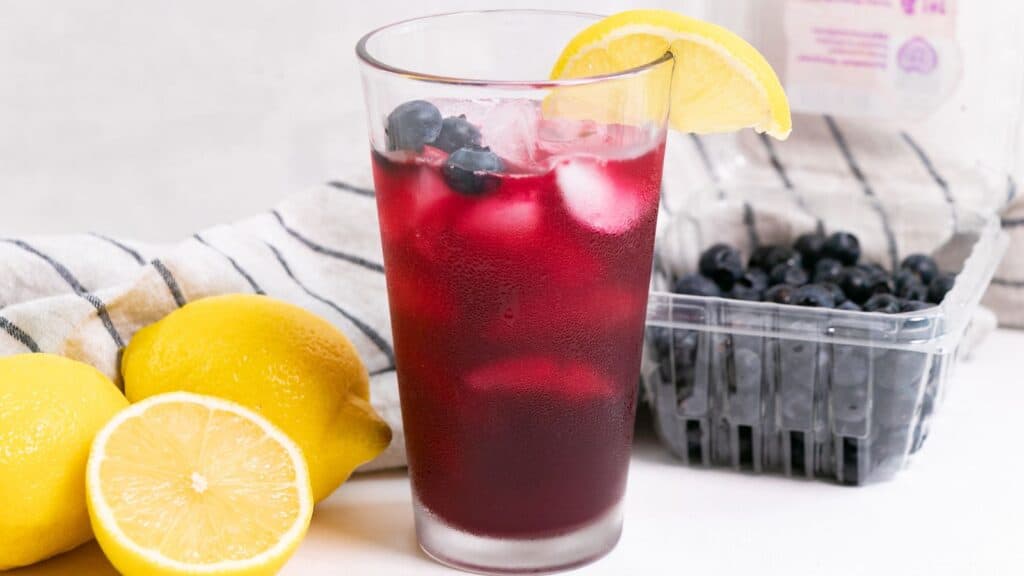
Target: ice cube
[
  {"x": 509, "y": 128},
  {"x": 594, "y": 199},
  {"x": 569, "y": 379},
  {"x": 502, "y": 221}
]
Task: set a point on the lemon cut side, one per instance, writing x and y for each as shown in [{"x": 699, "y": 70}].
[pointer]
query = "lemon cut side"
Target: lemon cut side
[{"x": 187, "y": 484}]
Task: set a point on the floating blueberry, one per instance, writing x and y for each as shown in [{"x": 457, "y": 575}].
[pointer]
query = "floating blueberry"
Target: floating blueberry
[
  {"x": 754, "y": 278},
  {"x": 849, "y": 305},
  {"x": 722, "y": 263},
  {"x": 413, "y": 124},
  {"x": 914, "y": 305},
  {"x": 856, "y": 284},
  {"x": 939, "y": 287},
  {"x": 471, "y": 170},
  {"x": 697, "y": 285},
  {"x": 780, "y": 294},
  {"x": 814, "y": 295},
  {"x": 884, "y": 303},
  {"x": 748, "y": 293},
  {"x": 809, "y": 246},
  {"x": 827, "y": 270},
  {"x": 923, "y": 265},
  {"x": 837, "y": 293},
  {"x": 457, "y": 132},
  {"x": 788, "y": 273},
  {"x": 842, "y": 246}
]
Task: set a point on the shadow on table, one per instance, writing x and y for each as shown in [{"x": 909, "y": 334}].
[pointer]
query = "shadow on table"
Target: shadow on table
[
  {"x": 372, "y": 518},
  {"x": 86, "y": 560}
]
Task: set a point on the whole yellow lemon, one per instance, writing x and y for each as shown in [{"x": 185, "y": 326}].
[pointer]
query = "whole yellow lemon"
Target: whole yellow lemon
[
  {"x": 287, "y": 364},
  {"x": 50, "y": 410}
]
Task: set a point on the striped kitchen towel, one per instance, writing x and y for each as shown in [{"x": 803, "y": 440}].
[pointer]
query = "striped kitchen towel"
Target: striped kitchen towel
[
  {"x": 84, "y": 296},
  {"x": 892, "y": 189}
]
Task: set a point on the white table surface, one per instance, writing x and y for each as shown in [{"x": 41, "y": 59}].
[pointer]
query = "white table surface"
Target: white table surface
[{"x": 958, "y": 510}]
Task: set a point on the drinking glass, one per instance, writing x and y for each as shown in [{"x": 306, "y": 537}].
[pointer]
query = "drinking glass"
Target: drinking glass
[{"x": 517, "y": 215}]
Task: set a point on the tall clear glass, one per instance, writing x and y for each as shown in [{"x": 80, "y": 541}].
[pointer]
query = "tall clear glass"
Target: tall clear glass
[{"x": 517, "y": 216}]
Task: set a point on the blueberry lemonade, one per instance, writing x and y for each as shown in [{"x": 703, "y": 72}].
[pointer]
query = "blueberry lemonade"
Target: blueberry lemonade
[
  {"x": 518, "y": 269},
  {"x": 518, "y": 221}
]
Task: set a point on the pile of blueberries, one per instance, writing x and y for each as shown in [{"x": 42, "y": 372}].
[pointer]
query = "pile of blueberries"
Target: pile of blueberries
[
  {"x": 818, "y": 271},
  {"x": 469, "y": 167},
  {"x": 720, "y": 394}
]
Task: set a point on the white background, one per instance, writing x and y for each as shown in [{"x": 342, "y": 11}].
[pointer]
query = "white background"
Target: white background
[{"x": 153, "y": 119}]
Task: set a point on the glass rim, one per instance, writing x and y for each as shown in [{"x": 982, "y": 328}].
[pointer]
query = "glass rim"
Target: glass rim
[{"x": 364, "y": 55}]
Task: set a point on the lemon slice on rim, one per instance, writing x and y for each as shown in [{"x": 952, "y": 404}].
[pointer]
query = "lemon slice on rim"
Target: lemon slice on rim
[
  {"x": 720, "y": 83},
  {"x": 187, "y": 484}
]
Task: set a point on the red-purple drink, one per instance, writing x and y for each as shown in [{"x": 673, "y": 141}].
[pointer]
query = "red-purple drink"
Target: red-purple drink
[{"x": 517, "y": 246}]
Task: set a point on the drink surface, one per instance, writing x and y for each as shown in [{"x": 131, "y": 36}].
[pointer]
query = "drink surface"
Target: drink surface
[{"x": 517, "y": 312}]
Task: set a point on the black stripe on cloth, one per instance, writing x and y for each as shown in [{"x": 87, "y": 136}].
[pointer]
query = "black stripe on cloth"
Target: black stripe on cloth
[
  {"x": 368, "y": 192},
  {"x": 320, "y": 249},
  {"x": 18, "y": 334},
  {"x": 234, "y": 264},
  {"x": 780, "y": 170},
  {"x": 363, "y": 327},
  {"x": 172, "y": 284},
  {"x": 80, "y": 290},
  {"x": 941, "y": 182},
  {"x": 1012, "y": 222},
  {"x": 751, "y": 225},
  {"x": 1011, "y": 189},
  {"x": 773, "y": 159},
  {"x": 1006, "y": 282},
  {"x": 855, "y": 170},
  {"x": 122, "y": 247},
  {"x": 709, "y": 166},
  {"x": 382, "y": 371}
]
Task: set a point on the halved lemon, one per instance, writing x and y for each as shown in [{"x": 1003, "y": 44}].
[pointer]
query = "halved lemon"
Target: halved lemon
[
  {"x": 187, "y": 484},
  {"x": 720, "y": 83}
]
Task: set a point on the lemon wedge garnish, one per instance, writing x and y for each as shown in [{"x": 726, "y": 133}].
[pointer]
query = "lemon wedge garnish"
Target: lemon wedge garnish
[{"x": 720, "y": 82}]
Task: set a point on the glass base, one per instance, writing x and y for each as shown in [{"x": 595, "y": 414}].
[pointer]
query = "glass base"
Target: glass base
[{"x": 489, "y": 555}]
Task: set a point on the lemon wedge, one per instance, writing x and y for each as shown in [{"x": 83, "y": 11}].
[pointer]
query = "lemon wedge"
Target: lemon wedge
[
  {"x": 720, "y": 82},
  {"x": 187, "y": 484}
]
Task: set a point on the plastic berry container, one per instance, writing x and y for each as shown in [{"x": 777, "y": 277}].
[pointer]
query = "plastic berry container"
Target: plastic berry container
[{"x": 807, "y": 392}]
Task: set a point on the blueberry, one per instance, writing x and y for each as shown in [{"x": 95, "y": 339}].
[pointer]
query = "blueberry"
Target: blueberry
[
  {"x": 788, "y": 273},
  {"x": 413, "y": 124},
  {"x": 754, "y": 278},
  {"x": 457, "y": 132},
  {"x": 884, "y": 303},
  {"x": 879, "y": 280},
  {"x": 837, "y": 293},
  {"x": 780, "y": 294},
  {"x": 914, "y": 305},
  {"x": 842, "y": 246},
  {"x": 768, "y": 257},
  {"x": 697, "y": 285},
  {"x": 856, "y": 284},
  {"x": 748, "y": 293},
  {"x": 923, "y": 265},
  {"x": 914, "y": 290},
  {"x": 849, "y": 305},
  {"x": 809, "y": 246},
  {"x": 827, "y": 270},
  {"x": 903, "y": 278},
  {"x": 722, "y": 263},
  {"x": 939, "y": 287},
  {"x": 471, "y": 170},
  {"x": 814, "y": 295}
]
